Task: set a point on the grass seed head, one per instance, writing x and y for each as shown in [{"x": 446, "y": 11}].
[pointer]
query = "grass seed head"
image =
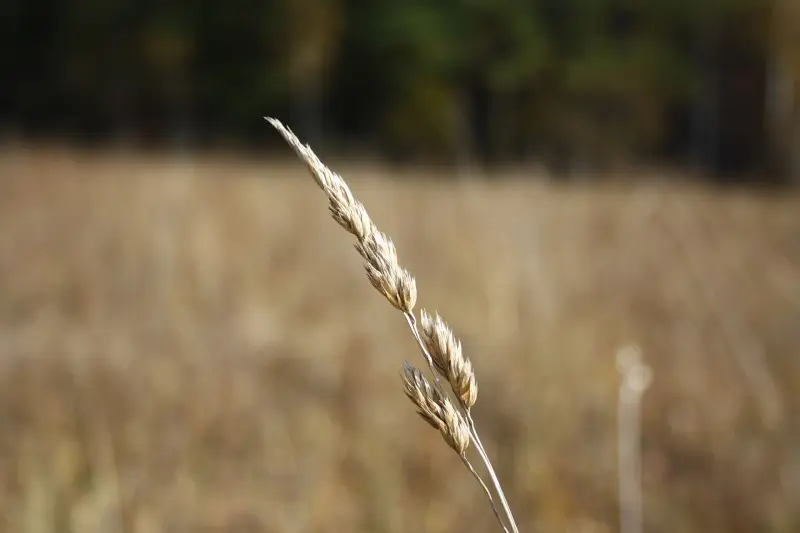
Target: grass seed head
[
  {"x": 437, "y": 341},
  {"x": 436, "y": 409},
  {"x": 448, "y": 358}
]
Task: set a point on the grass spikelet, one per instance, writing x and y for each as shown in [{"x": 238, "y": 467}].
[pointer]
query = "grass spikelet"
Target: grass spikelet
[
  {"x": 448, "y": 358},
  {"x": 436, "y": 409},
  {"x": 377, "y": 249}
]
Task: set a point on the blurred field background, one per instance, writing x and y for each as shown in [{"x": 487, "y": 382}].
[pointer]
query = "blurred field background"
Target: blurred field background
[{"x": 188, "y": 343}]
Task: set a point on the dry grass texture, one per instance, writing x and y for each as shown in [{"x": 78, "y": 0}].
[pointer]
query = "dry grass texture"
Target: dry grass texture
[{"x": 189, "y": 345}]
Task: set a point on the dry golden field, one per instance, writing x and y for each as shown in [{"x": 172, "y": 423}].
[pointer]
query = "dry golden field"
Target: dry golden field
[{"x": 190, "y": 345}]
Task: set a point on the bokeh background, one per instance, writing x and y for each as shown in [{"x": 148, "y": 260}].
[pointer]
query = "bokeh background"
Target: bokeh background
[{"x": 188, "y": 343}]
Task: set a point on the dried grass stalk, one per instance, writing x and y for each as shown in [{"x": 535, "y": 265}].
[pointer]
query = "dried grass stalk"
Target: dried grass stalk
[{"x": 440, "y": 347}]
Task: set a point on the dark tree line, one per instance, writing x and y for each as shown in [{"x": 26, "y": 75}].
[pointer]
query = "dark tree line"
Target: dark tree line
[{"x": 574, "y": 82}]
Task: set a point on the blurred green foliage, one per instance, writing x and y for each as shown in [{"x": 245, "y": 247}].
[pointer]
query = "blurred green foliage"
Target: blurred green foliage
[{"x": 596, "y": 81}]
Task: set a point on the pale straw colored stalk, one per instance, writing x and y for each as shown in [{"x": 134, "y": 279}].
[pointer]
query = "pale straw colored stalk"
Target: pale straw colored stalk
[
  {"x": 438, "y": 344},
  {"x": 636, "y": 378}
]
